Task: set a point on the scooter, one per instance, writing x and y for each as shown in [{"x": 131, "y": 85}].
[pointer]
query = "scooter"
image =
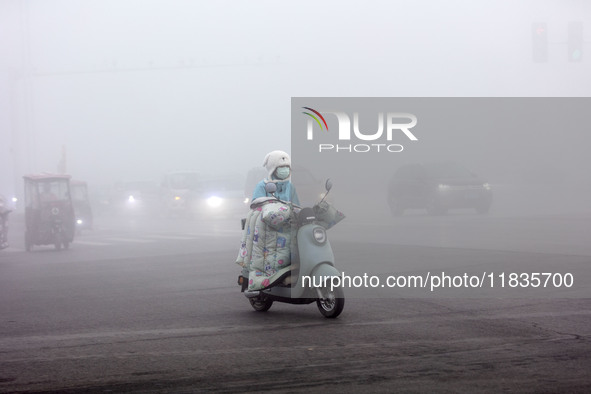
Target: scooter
[{"x": 307, "y": 280}]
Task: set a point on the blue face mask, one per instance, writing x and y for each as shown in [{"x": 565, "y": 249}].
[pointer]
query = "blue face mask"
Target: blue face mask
[{"x": 282, "y": 172}]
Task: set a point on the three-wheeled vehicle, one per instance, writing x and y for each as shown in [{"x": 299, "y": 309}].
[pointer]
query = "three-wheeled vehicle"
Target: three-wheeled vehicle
[
  {"x": 49, "y": 213},
  {"x": 82, "y": 210}
]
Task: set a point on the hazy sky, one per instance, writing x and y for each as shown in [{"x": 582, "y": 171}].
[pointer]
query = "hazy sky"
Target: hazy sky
[{"x": 135, "y": 88}]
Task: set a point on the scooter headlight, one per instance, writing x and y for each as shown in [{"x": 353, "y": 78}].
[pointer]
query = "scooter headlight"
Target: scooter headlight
[{"x": 319, "y": 235}]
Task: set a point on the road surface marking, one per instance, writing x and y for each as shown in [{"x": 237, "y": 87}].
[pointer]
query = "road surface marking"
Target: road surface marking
[
  {"x": 91, "y": 243},
  {"x": 132, "y": 240},
  {"x": 179, "y": 237},
  {"x": 11, "y": 249}
]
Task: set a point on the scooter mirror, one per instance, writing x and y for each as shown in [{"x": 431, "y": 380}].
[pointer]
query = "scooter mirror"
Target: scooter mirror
[
  {"x": 328, "y": 185},
  {"x": 271, "y": 188}
]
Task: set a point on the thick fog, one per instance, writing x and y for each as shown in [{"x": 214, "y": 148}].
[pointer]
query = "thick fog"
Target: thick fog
[{"x": 129, "y": 90}]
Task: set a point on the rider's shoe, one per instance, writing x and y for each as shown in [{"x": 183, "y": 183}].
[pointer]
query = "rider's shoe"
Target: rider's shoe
[{"x": 243, "y": 282}]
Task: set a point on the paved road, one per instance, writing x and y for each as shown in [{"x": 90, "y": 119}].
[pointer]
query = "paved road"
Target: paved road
[{"x": 143, "y": 306}]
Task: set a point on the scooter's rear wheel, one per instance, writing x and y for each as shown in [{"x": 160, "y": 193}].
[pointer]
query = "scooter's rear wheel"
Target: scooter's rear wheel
[
  {"x": 260, "y": 305},
  {"x": 332, "y": 302}
]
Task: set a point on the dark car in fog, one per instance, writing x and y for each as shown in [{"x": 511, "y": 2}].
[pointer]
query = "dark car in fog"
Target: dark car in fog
[{"x": 437, "y": 187}]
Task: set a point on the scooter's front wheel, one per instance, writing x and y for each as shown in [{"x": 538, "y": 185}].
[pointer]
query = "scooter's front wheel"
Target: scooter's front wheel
[
  {"x": 261, "y": 305},
  {"x": 331, "y": 303}
]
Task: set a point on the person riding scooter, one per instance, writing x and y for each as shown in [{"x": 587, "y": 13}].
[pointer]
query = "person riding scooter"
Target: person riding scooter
[
  {"x": 300, "y": 274},
  {"x": 276, "y": 238}
]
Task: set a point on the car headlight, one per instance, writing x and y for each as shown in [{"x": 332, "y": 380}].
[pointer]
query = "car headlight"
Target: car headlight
[
  {"x": 79, "y": 221},
  {"x": 319, "y": 235},
  {"x": 486, "y": 186},
  {"x": 131, "y": 199},
  {"x": 246, "y": 200},
  {"x": 214, "y": 201},
  {"x": 177, "y": 198},
  {"x": 443, "y": 187}
]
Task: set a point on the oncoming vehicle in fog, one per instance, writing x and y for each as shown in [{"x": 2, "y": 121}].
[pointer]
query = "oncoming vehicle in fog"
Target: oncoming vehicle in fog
[
  {"x": 49, "y": 213},
  {"x": 82, "y": 209},
  {"x": 177, "y": 192},
  {"x": 437, "y": 187},
  {"x": 134, "y": 197},
  {"x": 220, "y": 197}
]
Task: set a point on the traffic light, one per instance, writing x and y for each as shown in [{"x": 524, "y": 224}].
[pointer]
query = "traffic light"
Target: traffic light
[
  {"x": 575, "y": 41},
  {"x": 540, "y": 42}
]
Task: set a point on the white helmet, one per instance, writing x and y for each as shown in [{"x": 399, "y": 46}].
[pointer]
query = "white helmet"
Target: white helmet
[{"x": 277, "y": 158}]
